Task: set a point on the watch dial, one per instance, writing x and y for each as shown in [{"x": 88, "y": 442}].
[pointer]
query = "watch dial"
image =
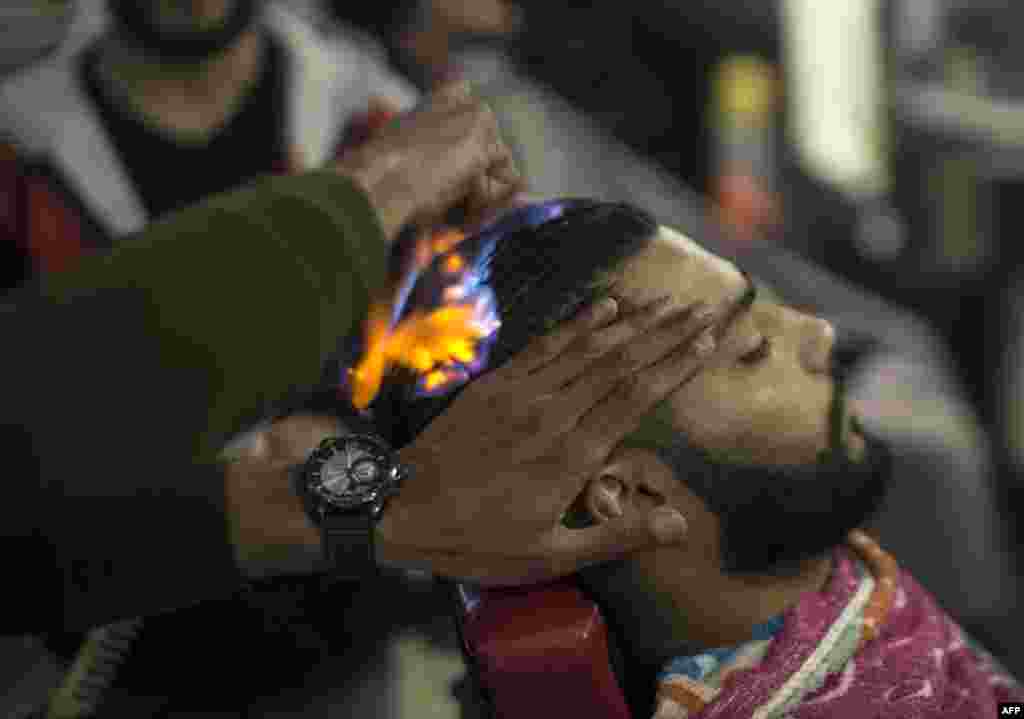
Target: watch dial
[
  {"x": 335, "y": 477},
  {"x": 350, "y": 471},
  {"x": 364, "y": 471}
]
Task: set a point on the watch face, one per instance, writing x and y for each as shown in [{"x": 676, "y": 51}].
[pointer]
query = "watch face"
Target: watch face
[{"x": 350, "y": 472}]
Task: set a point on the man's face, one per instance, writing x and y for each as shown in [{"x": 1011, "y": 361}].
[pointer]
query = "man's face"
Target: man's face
[
  {"x": 759, "y": 450},
  {"x": 766, "y": 394}
]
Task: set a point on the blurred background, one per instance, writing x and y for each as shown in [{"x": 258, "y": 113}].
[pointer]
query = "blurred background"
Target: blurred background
[{"x": 878, "y": 142}]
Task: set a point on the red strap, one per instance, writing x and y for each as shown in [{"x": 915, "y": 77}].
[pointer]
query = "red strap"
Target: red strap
[
  {"x": 364, "y": 126},
  {"x": 543, "y": 653},
  {"x": 12, "y": 185},
  {"x": 53, "y": 232}
]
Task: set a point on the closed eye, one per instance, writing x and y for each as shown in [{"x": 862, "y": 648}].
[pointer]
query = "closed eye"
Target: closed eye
[{"x": 758, "y": 354}]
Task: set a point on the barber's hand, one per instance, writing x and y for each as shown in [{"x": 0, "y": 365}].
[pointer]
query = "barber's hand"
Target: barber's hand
[
  {"x": 448, "y": 154},
  {"x": 268, "y": 527},
  {"x": 482, "y": 17},
  {"x": 495, "y": 472}
]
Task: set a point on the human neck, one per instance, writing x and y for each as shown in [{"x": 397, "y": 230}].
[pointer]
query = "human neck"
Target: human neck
[
  {"x": 703, "y": 608},
  {"x": 723, "y": 609},
  {"x": 187, "y": 100}
]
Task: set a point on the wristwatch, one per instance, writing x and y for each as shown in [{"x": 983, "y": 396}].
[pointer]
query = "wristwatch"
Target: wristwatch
[{"x": 345, "y": 485}]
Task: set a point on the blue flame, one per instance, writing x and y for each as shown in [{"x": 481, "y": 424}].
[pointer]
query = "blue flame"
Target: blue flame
[
  {"x": 431, "y": 287},
  {"x": 468, "y": 288}
]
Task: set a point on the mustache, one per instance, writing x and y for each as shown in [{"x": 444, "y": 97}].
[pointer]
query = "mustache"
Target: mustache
[{"x": 849, "y": 349}]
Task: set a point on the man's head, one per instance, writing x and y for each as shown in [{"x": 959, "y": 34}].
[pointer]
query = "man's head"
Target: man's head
[
  {"x": 758, "y": 451},
  {"x": 182, "y": 31}
]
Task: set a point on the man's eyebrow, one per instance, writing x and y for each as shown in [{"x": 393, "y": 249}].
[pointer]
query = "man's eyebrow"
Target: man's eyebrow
[
  {"x": 750, "y": 295},
  {"x": 742, "y": 306}
]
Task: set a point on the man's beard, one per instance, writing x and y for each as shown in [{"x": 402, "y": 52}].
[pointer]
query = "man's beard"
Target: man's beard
[
  {"x": 138, "y": 23},
  {"x": 773, "y": 517}
]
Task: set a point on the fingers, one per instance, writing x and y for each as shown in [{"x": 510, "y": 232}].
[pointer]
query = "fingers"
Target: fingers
[
  {"x": 574, "y": 549},
  {"x": 384, "y": 104},
  {"x": 611, "y": 419},
  {"x": 293, "y": 439},
  {"x": 492, "y": 190},
  {"x": 450, "y": 94},
  {"x": 622, "y": 337},
  {"x": 544, "y": 349},
  {"x": 500, "y": 179},
  {"x": 514, "y": 199},
  {"x": 254, "y": 446},
  {"x": 477, "y": 174},
  {"x": 489, "y": 17},
  {"x": 686, "y": 333},
  {"x": 562, "y": 551}
]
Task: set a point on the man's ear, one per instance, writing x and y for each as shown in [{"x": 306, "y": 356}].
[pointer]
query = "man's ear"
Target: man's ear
[
  {"x": 605, "y": 498},
  {"x": 622, "y": 486}
]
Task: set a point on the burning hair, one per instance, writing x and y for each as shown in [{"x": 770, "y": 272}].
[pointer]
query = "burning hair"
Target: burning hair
[{"x": 540, "y": 276}]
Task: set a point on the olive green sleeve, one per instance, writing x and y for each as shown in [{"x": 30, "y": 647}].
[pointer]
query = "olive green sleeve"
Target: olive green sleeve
[
  {"x": 246, "y": 294},
  {"x": 121, "y": 379}
]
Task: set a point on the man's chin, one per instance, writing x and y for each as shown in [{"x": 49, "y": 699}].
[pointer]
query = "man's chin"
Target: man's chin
[{"x": 205, "y": 41}]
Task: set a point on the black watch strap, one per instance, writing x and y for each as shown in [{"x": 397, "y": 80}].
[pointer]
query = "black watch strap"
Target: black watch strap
[{"x": 348, "y": 544}]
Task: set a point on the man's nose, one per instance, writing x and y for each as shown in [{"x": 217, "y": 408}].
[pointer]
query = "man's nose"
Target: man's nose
[{"x": 816, "y": 350}]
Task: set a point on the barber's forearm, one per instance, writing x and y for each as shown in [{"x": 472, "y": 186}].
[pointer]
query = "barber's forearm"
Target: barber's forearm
[
  {"x": 245, "y": 294},
  {"x": 268, "y": 527}
]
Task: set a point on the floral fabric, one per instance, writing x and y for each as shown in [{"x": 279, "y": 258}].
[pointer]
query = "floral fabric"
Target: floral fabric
[{"x": 872, "y": 644}]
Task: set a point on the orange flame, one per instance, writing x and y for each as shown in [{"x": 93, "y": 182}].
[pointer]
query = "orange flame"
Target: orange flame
[
  {"x": 428, "y": 246},
  {"x": 445, "y": 239},
  {"x": 424, "y": 342},
  {"x": 453, "y": 263},
  {"x": 367, "y": 375},
  {"x": 421, "y": 342}
]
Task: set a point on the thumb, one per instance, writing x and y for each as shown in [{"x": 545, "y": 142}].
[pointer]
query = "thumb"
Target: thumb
[
  {"x": 294, "y": 438},
  {"x": 383, "y": 105},
  {"x": 451, "y": 94},
  {"x": 612, "y": 539}
]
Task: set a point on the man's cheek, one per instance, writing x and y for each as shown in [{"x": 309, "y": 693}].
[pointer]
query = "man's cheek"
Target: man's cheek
[{"x": 712, "y": 427}]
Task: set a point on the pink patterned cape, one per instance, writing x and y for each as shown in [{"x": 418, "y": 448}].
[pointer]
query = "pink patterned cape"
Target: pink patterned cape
[{"x": 920, "y": 665}]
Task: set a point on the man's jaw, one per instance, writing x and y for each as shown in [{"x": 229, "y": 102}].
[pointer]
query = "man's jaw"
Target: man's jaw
[{"x": 184, "y": 47}]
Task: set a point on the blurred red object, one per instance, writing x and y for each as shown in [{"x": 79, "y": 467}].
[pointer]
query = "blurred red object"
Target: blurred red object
[
  {"x": 744, "y": 207},
  {"x": 540, "y": 652},
  {"x": 363, "y": 126}
]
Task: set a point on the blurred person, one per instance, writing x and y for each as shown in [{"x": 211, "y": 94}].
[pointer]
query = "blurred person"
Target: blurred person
[
  {"x": 172, "y": 102},
  {"x": 775, "y": 587},
  {"x": 442, "y": 27},
  {"x": 157, "y": 105},
  {"x": 31, "y": 30},
  {"x": 134, "y": 512},
  {"x": 424, "y": 37},
  {"x": 609, "y": 59}
]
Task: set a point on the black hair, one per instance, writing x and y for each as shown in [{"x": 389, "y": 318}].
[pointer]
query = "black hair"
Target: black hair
[{"x": 540, "y": 277}]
